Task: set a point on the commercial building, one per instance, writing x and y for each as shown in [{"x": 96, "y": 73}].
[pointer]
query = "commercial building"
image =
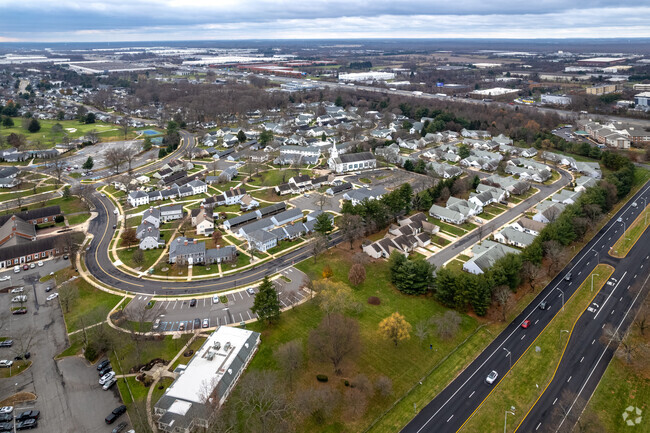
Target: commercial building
[
  {"x": 642, "y": 100},
  {"x": 367, "y": 76},
  {"x": 601, "y": 61},
  {"x": 604, "y": 89},
  {"x": 556, "y": 99},
  {"x": 207, "y": 380}
]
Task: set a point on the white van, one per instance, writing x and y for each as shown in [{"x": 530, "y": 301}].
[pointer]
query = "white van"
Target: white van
[{"x": 16, "y": 269}]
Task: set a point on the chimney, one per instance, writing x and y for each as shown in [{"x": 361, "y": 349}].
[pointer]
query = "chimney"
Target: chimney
[
  {"x": 185, "y": 243},
  {"x": 194, "y": 241}
]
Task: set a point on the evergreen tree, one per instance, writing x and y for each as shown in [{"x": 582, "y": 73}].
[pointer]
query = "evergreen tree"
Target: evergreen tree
[
  {"x": 267, "y": 302},
  {"x": 88, "y": 165},
  {"x": 147, "y": 144},
  {"x": 323, "y": 224},
  {"x": 162, "y": 153},
  {"x": 34, "y": 125},
  {"x": 241, "y": 136}
]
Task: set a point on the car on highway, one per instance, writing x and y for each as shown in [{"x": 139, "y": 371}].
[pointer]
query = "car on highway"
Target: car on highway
[
  {"x": 5, "y": 278},
  {"x": 611, "y": 281},
  {"x": 103, "y": 364},
  {"x": 115, "y": 414},
  {"x": 52, "y": 296},
  {"x": 109, "y": 384},
  {"x": 543, "y": 305},
  {"x": 6, "y": 343},
  {"x": 107, "y": 377},
  {"x": 250, "y": 291},
  {"x": 525, "y": 324},
  {"x": 215, "y": 299},
  {"x": 197, "y": 323},
  {"x": 118, "y": 428},
  {"x": 620, "y": 219},
  {"x": 192, "y": 302},
  {"x": 6, "y": 409},
  {"x": 17, "y": 290},
  {"x": 206, "y": 323},
  {"x": 28, "y": 414},
  {"x": 27, "y": 424},
  {"x": 634, "y": 204},
  {"x": 17, "y": 311},
  {"x": 491, "y": 377}
]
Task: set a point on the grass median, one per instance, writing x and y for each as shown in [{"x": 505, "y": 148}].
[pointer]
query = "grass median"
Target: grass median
[
  {"x": 519, "y": 387},
  {"x": 631, "y": 235}
]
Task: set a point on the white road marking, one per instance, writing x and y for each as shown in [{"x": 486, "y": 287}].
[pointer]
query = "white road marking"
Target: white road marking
[
  {"x": 522, "y": 337},
  {"x": 620, "y": 299},
  {"x": 450, "y": 418},
  {"x": 582, "y": 359},
  {"x": 470, "y": 396},
  {"x": 241, "y": 318},
  {"x": 536, "y": 321},
  {"x": 603, "y": 327},
  {"x": 249, "y": 315},
  {"x": 241, "y": 296},
  {"x": 569, "y": 379},
  {"x": 579, "y": 272},
  {"x": 593, "y": 341},
  {"x": 554, "y": 401},
  {"x": 612, "y": 312},
  {"x": 537, "y": 428},
  {"x": 619, "y": 282}
]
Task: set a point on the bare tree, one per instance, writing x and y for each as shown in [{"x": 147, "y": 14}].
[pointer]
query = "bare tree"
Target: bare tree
[
  {"x": 641, "y": 319},
  {"x": 58, "y": 166},
  {"x": 129, "y": 155},
  {"x": 384, "y": 386},
  {"x": 318, "y": 244},
  {"x": 554, "y": 252},
  {"x": 317, "y": 404},
  {"x": 265, "y": 406},
  {"x": 356, "y": 403},
  {"x": 627, "y": 347},
  {"x": 115, "y": 155},
  {"x": 503, "y": 297},
  {"x": 68, "y": 244},
  {"x": 68, "y": 293},
  {"x": 352, "y": 228},
  {"x": 124, "y": 125},
  {"x": 336, "y": 340},
  {"x": 422, "y": 330},
  {"x": 322, "y": 200},
  {"x": 530, "y": 272},
  {"x": 92, "y": 136},
  {"x": 447, "y": 325},
  {"x": 290, "y": 358},
  {"x": 23, "y": 342}
]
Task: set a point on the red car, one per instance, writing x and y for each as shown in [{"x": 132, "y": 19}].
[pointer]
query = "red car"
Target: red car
[
  {"x": 526, "y": 324},
  {"x": 25, "y": 267}
]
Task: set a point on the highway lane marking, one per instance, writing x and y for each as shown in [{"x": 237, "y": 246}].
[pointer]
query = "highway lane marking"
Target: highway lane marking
[
  {"x": 611, "y": 312},
  {"x": 603, "y": 327},
  {"x": 620, "y": 299},
  {"x": 450, "y": 418},
  {"x": 538, "y": 425},
  {"x": 603, "y": 354},
  {"x": 610, "y": 295},
  {"x": 536, "y": 321},
  {"x": 593, "y": 341},
  {"x": 569, "y": 379},
  {"x": 579, "y": 272},
  {"x": 522, "y": 337},
  {"x": 582, "y": 359},
  {"x": 470, "y": 396},
  {"x": 554, "y": 401}
]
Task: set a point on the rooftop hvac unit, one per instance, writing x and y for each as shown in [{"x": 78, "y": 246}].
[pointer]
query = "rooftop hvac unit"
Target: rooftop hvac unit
[
  {"x": 226, "y": 346},
  {"x": 217, "y": 345},
  {"x": 210, "y": 355}
]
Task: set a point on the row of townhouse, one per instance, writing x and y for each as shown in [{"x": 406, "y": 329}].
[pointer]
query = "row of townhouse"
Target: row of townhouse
[
  {"x": 409, "y": 233},
  {"x": 302, "y": 183},
  {"x": 485, "y": 255},
  {"x": 521, "y": 233},
  {"x": 148, "y": 232},
  {"x": 267, "y": 211},
  {"x": 358, "y": 196},
  {"x": 509, "y": 183},
  {"x": 591, "y": 169},
  {"x": 457, "y": 211},
  {"x": 185, "y": 251},
  {"x": 139, "y": 198}
]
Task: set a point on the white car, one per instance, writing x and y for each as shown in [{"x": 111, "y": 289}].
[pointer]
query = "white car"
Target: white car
[
  {"x": 6, "y": 363},
  {"x": 491, "y": 377},
  {"x": 5, "y": 278},
  {"x": 107, "y": 377},
  {"x": 250, "y": 291},
  {"x": 6, "y": 409},
  {"x": 19, "y": 298},
  {"x": 40, "y": 263},
  {"x": 108, "y": 384},
  {"x": 18, "y": 290},
  {"x": 215, "y": 299},
  {"x": 52, "y": 296}
]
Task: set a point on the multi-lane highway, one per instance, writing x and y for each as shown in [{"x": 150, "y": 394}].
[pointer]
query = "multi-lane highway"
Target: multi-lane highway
[{"x": 450, "y": 409}]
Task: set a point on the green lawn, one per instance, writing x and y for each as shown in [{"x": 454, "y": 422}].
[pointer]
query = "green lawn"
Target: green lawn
[
  {"x": 17, "y": 368},
  {"x": 130, "y": 356},
  {"x": 270, "y": 177},
  {"x": 405, "y": 364},
  {"x": 196, "y": 344},
  {"x": 68, "y": 205},
  {"x": 440, "y": 241},
  {"x": 517, "y": 388},
  {"x": 106, "y": 131},
  {"x": 283, "y": 245},
  {"x": 450, "y": 228},
  {"x": 89, "y": 307},
  {"x": 150, "y": 256},
  {"x": 632, "y": 234},
  {"x": 79, "y": 218}
]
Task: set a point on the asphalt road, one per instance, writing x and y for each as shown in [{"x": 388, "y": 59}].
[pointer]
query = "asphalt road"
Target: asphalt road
[
  {"x": 450, "y": 409},
  {"x": 459, "y": 246}
]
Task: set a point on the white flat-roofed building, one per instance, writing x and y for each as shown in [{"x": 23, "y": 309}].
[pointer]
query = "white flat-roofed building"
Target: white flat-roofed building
[
  {"x": 367, "y": 76},
  {"x": 207, "y": 380}
]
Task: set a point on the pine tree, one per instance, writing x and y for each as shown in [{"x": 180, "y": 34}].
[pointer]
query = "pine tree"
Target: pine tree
[
  {"x": 323, "y": 224},
  {"x": 267, "y": 302},
  {"x": 88, "y": 165}
]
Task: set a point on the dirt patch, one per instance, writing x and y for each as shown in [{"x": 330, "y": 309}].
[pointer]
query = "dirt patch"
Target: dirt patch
[{"x": 21, "y": 397}]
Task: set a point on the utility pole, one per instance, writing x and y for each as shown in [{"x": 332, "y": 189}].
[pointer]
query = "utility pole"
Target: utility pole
[
  {"x": 509, "y": 356},
  {"x": 505, "y": 421}
]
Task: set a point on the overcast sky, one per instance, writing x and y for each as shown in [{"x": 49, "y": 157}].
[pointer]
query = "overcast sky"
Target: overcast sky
[{"x": 148, "y": 20}]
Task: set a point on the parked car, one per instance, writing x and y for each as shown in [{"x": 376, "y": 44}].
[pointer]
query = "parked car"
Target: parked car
[
  {"x": 215, "y": 299},
  {"x": 6, "y": 343},
  {"x": 48, "y": 288},
  {"x": 5, "y": 278},
  {"x": 17, "y": 290},
  {"x": 109, "y": 384},
  {"x": 27, "y": 424},
  {"x": 28, "y": 414},
  {"x": 25, "y": 267},
  {"x": 491, "y": 377},
  {"x": 6, "y": 409},
  {"x": 103, "y": 364},
  {"x": 5, "y": 363},
  {"x": 40, "y": 263},
  {"x": 6, "y": 417},
  {"x": 52, "y": 296},
  {"x": 156, "y": 324},
  {"x": 19, "y": 298},
  {"x": 105, "y": 370},
  {"x": 65, "y": 257},
  {"x": 118, "y": 428},
  {"x": 16, "y": 269},
  {"x": 6, "y": 427},
  {"x": 206, "y": 323},
  {"x": 192, "y": 302},
  {"x": 197, "y": 323},
  {"x": 32, "y": 266},
  {"x": 181, "y": 326},
  {"x": 115, "y": 414},
  {"x": 25, "y": 355},
  {"x": 21, "y": 310},
  {"x": 105, "y": 378},
  {"x": 250, "y": 291}
]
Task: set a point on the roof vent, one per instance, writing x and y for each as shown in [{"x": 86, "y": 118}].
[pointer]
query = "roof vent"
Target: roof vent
[
  {"x": 227, "y": 346},
  {"x": 230, "y": 371}
]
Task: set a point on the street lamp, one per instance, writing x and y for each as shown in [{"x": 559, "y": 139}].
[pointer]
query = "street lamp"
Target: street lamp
[
  {"x": 562, "y": 292},
  {"x": 561, "y": 331},
  {"x": 509, "y": 356},
  {"x": 592, "y": 281},
  {"x": 505, "y": 421}
]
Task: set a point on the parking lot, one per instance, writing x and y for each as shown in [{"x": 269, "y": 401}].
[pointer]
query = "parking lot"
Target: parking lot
[
  {"x": 177, "y": 314},
  {"x": 69, "y": 396}
]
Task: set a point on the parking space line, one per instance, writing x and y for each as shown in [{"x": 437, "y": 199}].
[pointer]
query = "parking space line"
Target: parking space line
[{"x": 249, "y": 315}]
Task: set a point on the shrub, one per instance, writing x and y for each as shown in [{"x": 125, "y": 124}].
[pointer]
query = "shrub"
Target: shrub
[
  {"x": 346, "y": 382},
  {"x": 58, "y": 219},
  {"x": 321, "y": 378},
  {"x": 90, "y": 353},
  {"x": 373, "y": 300}
]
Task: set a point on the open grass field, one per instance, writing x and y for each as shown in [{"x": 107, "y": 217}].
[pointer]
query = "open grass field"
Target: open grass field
[
  {"x": 517, "y": 388},
  {"x": 74, "y": 129},
  {"x": 404, "y": 364},
  {"x": 131, "y": 356},
  {"x": 150, "y": 256}
]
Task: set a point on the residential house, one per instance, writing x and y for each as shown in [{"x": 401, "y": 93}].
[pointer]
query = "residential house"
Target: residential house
[
  {"x": 527, "y": 225},
  {"x": 510, "y": 236},
  {"x": 262, "y": 240},
  {"x": 335, "y": 189},
  {"x": 198, "y": 187},
  {"x": 186, "y": 251},
  {"x": 357, "y": 196},
  {"x": 171, "y": 212},
  {"x": 204, "y": 224},
  {"x": 138, "y": 198},
  {"x": 485, "y": 255}
]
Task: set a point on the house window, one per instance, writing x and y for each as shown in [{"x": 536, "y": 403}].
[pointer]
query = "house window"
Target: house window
[
  {"x": 45, "y": 219},
  {"x": 15, "y": 261},
  {"x": 29, "y": 257}
]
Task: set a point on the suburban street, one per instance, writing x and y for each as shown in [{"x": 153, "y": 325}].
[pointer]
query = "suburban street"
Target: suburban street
[{"x": 450, "y": 409}]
